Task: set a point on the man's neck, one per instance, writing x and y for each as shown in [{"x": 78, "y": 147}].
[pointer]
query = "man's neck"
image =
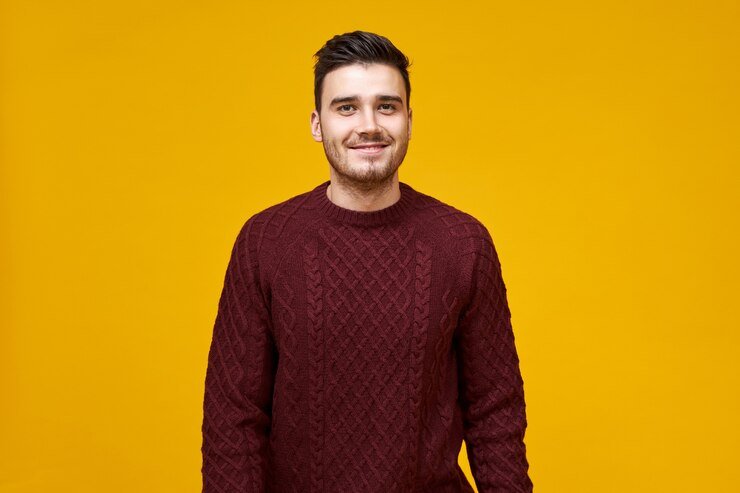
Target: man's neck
[{"x": 364, "y": 198}]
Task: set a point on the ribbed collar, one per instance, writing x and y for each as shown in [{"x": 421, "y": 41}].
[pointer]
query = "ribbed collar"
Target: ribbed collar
[{"x": 388, "y": 214}]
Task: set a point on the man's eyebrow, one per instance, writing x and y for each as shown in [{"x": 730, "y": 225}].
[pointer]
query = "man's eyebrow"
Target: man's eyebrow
[
  {"x": 388, "y": 97},
  {"x": 345, "y": 99},
  {"x": 352, "y": 99}
]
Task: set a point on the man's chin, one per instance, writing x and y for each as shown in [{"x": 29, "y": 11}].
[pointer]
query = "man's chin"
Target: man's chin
[{"x": 366, "y": 174}]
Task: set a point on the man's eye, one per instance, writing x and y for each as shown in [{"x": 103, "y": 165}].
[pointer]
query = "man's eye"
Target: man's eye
[
  {"x": 347, "y": 106},
  {"x": 388, "y": 105}
]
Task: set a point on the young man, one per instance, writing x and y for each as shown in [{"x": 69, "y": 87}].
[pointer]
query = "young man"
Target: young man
[{"x": 363, "y": 329}]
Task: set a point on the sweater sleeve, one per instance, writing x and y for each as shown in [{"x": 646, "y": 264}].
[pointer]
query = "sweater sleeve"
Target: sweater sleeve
[
  {"x": 491, "y": 388},
  {"x": 239, "y": 380}
]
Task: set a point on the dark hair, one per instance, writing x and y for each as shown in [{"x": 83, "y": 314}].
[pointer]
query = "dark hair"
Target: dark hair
[{"x": 357, "y": 47}]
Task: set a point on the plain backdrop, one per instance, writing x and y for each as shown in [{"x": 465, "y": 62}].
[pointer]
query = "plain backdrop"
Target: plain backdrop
[{"x": 597, "y": 141}]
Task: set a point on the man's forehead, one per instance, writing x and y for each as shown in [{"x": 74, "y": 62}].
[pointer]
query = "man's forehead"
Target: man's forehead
[{"x": 373, "y": 81}]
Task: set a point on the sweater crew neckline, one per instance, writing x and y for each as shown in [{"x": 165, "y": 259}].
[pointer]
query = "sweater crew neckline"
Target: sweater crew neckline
[{"x": 365, "y": 218}]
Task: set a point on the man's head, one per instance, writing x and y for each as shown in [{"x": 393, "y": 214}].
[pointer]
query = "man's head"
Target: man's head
[
  {"x": 357, "y": 47},
  {"x": 361, "y": 90}
]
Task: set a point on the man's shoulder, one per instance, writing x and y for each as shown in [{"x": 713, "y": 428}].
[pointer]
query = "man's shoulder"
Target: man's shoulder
[
  {"x": 444, "y": 218},
  {"x": 283, "y": 210},
  {"x": 280, "y": 220}
]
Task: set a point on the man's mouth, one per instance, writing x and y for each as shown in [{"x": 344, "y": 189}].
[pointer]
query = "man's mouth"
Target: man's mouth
[{"x": 369, "y": 148}]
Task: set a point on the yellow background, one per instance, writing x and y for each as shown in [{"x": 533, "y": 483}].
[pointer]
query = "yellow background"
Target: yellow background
[{"x": 598, "y": 141}]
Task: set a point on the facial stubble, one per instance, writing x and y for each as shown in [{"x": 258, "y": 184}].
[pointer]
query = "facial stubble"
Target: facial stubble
[{"x": 380, "y": 169}]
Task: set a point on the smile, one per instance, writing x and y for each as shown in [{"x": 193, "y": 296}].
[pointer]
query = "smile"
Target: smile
[{"x": 369, "y": 150}]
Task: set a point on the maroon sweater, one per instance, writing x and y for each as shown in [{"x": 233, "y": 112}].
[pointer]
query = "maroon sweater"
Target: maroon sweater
[{"x": 353, "y": 351}]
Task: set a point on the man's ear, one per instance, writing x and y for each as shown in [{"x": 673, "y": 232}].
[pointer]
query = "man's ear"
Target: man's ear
[
  {"x": 316, "y": 126},
  {"x": 410, "y": 115}
]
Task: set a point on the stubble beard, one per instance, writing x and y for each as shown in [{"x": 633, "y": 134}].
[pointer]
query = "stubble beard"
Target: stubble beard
[{"x": 379, "y": 170}]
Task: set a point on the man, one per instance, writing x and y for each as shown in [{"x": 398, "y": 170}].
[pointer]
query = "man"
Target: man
[{"x": 363, "y": 329}]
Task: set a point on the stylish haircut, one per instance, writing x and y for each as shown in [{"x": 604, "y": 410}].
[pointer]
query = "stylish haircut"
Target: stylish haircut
[{"x": 357, "y": 47}]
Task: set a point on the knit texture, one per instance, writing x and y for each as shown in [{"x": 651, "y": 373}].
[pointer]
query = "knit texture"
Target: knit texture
[{"x": 353, "y": 351}]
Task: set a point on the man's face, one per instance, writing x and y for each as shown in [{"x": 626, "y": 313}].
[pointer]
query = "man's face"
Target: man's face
[{"x": 363, "y": 106}]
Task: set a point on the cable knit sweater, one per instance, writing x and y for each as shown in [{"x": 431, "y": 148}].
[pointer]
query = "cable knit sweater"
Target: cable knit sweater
[{"x": 353, "y": 351}]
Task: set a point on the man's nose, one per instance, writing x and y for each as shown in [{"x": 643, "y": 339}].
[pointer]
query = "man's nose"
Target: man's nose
[{"x": 369, "y": 123}]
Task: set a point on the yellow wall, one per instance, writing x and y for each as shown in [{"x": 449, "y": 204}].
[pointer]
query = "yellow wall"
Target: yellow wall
[{"x": 598, "y": 141}]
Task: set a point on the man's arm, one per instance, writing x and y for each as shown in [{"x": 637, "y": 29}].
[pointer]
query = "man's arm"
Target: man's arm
[
  {"x": 239, "y": 380},
  {"x": 491, "y": 388}
]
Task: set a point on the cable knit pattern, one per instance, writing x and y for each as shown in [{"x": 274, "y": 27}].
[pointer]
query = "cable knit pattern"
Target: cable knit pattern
[{"x": 354, "y": 351}]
